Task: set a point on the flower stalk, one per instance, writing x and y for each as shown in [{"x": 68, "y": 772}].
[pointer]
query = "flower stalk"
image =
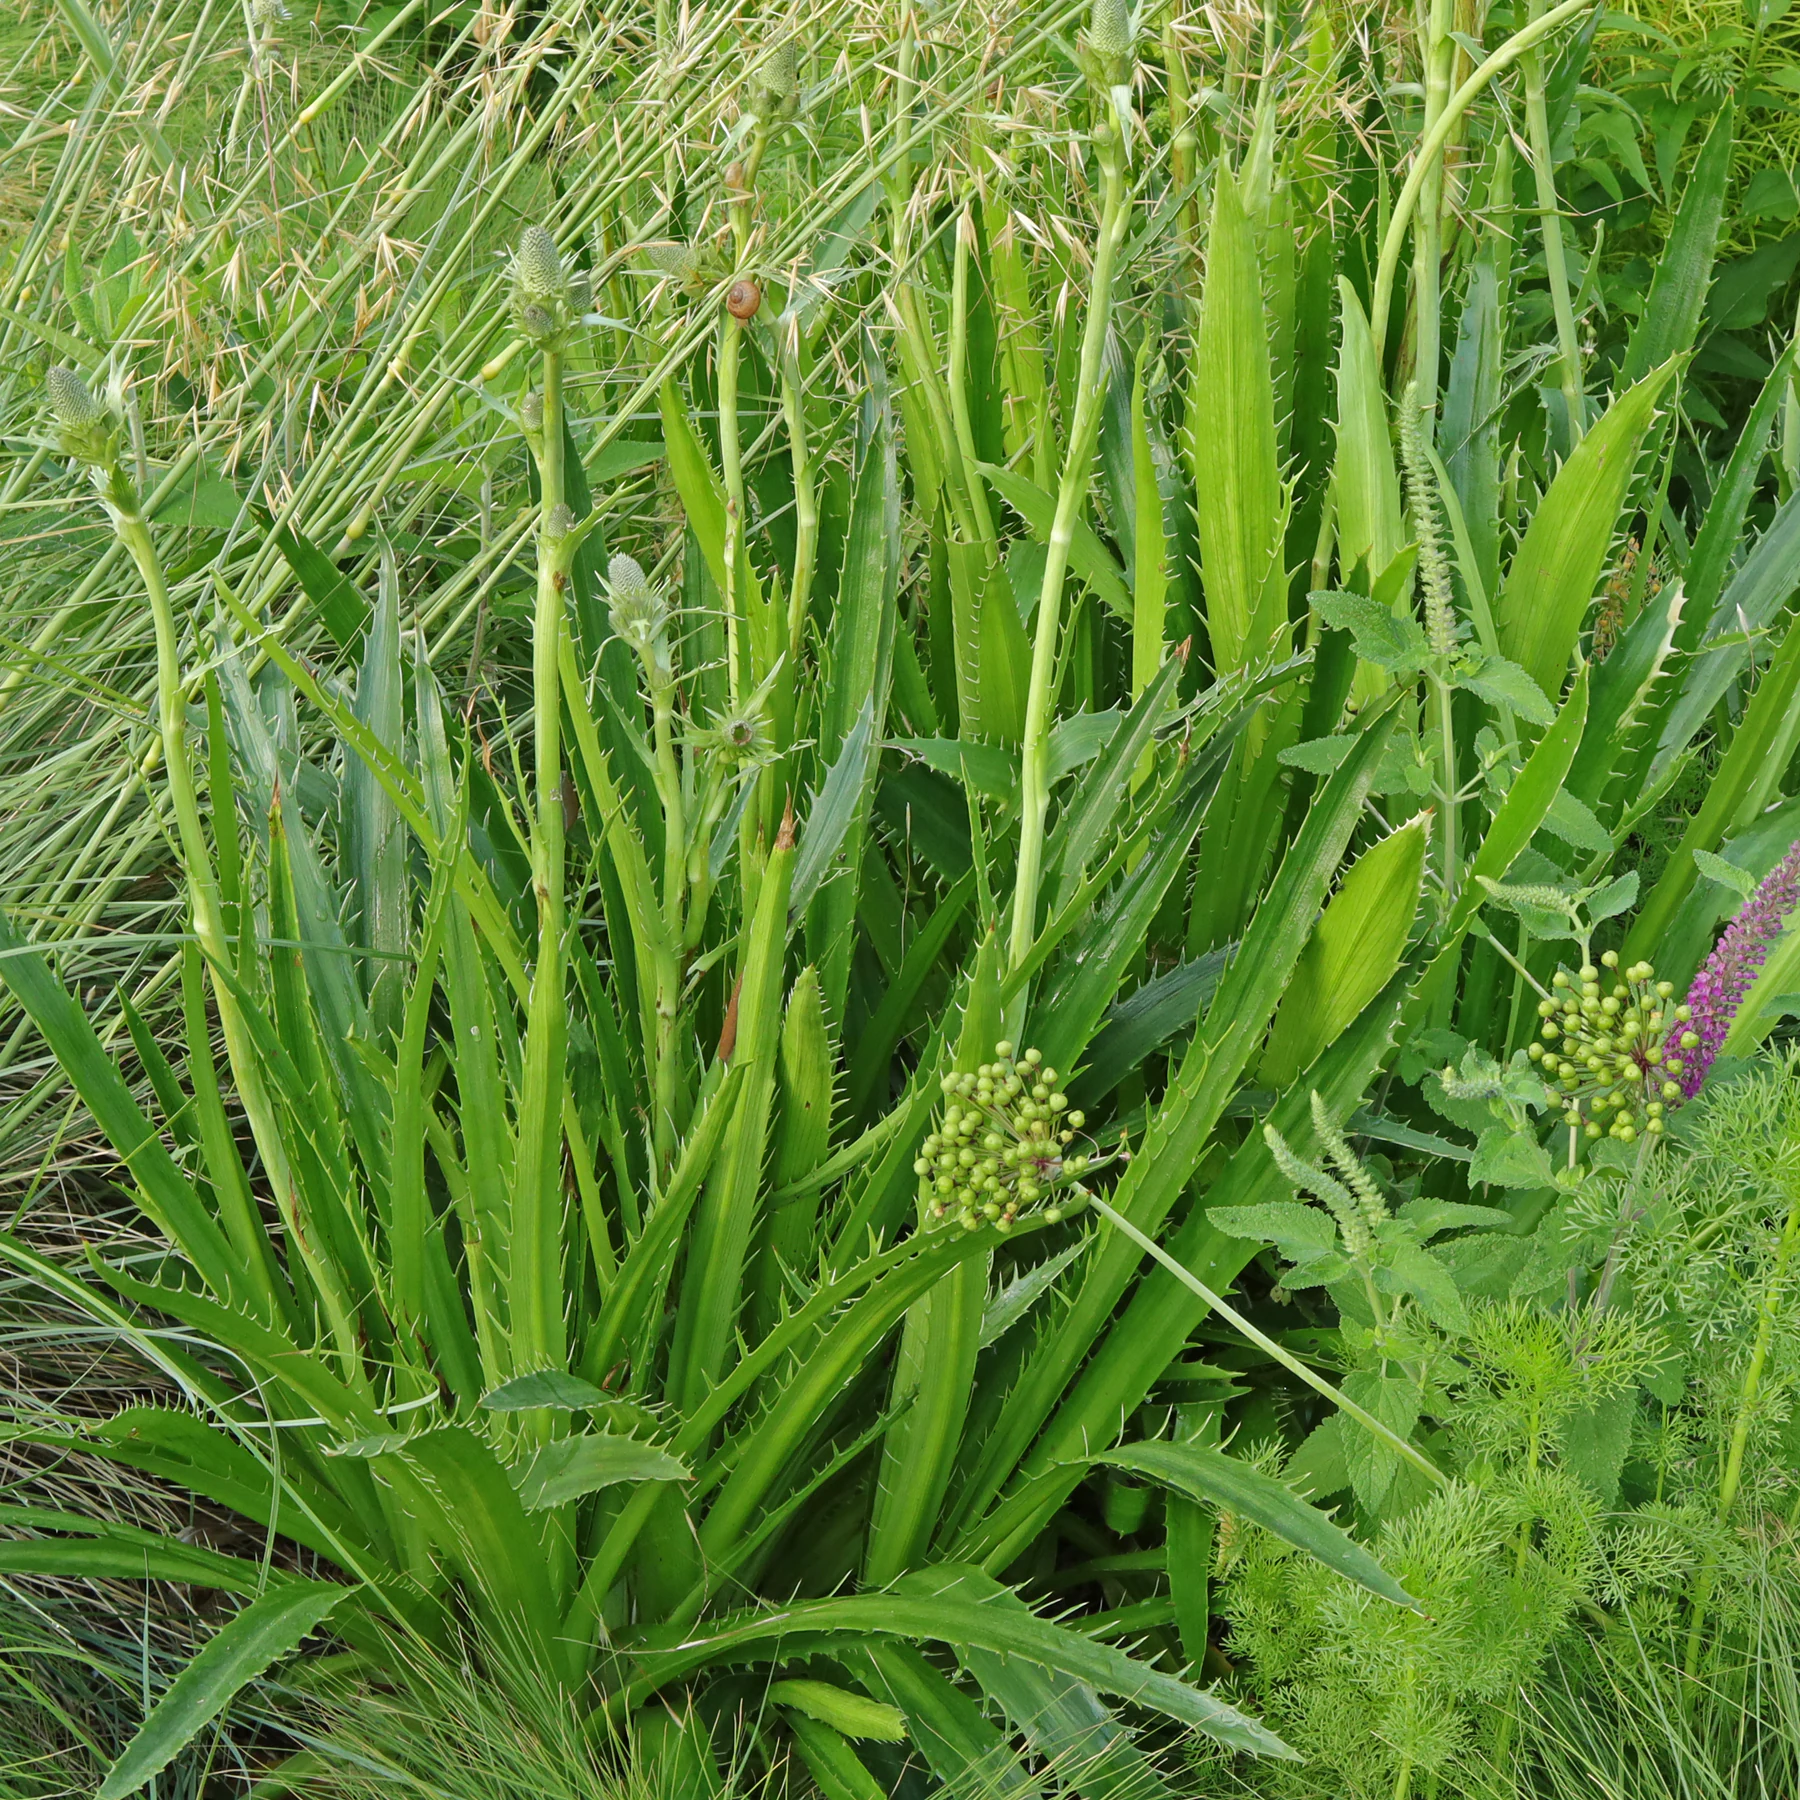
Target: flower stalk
[
  {"x": 545, "y": 304},
  {"x": 89, "y": 430},
  {"x": 1115, "y": 215}
]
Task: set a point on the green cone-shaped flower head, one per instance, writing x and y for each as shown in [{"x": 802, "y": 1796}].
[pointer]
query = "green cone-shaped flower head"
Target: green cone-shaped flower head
[
  {"x": 545, "y": 303},
  {"x": 87, "y": 428},
  {"x": 1110, "y": 29},
  {"x": 1108, "y": 48},
  {"x": 639, "y": 613},
  {"x": 538, "y": 268},
  {"x": 681, "y": 263},
  {"x": 775, "y": 93}
]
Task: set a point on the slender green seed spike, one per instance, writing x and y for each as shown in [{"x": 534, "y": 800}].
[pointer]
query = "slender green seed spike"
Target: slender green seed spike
[
  {"x": 1308, "y": 1179},
  {"x": 1342, "y": 1158},
  {"x": 1422, "y": 503}
]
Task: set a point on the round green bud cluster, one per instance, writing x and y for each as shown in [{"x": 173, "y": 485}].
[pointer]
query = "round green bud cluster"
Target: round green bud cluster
[
  {"x": 87, "y": 428},
  {"x": 1612, "y": 1049},
  {"x": 1003, "y": 1145}
]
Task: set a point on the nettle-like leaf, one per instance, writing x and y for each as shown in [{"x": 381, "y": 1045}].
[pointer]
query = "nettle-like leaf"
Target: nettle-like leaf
[
  {"x": 1407, "y": 1267},
  {"x": 1393, "y": 641},
  {"x": 1506, "y": 1157},
  {"x": 1503, "y": 683}
]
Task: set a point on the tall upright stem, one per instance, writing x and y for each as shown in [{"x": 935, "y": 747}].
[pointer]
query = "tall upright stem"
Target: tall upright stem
[
  {"x": 536, "y": 1265},
  {"x": 1439, "y": 49},
  {"x": 1748, "y": 1391},
  {"x": 806, "y": 503},
  {"x": 209, "y": 926},
  {"x": 1034, "y": 804},
  {"x": 731, "y": 467},
  {"x": 1184, "y": 144},
  {"x": 1556, "y": 268},
  {"x": 1431, "y": 147}
]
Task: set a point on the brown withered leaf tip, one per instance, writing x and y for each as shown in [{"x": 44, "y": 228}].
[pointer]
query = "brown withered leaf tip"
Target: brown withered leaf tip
[{"x": 784, "y": 838}]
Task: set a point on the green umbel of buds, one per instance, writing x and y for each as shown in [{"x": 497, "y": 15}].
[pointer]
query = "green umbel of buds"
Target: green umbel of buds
[
  {"x": 775, "y": 91},
  {"x": 1003, "y": 1146},
  {"x": 546, "y": 300},
  {"x": 1613, "y": 1047},
  {"x": 639, "y": 613},
  {"x": 87, "y": 429}
]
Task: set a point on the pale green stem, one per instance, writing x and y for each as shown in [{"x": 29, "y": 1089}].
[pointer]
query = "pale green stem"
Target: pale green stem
[
  {"x": 1439, "y": 50},
  {"x": 732, "y": 469},
  {"x": 1748, "y": 1391},
  {"x": 1034, "y": 802},
  {"x": 675, "y": 886},
  {"x": 1556, "y": 268},
  {"x": 806, "y": 503},
  {"x": 1268, "y": 1345},
  {"x": 1452, "y": 872},
  {"x": 209, "y": 926},
  {"x": 536, "y": 1274},
  {"x": 1184, "y": 145},
  {"x": 1431, "y": 147}
]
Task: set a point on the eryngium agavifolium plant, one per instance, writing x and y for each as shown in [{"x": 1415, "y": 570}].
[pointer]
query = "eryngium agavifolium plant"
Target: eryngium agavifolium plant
[{"x": 928, "y": 541}]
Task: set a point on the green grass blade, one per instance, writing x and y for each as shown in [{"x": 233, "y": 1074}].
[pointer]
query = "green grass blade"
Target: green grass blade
[
  {"x": 1371, "y": 530},
  {"x": 948, "y": 1617},
  {"x": 949, "y": 1729},
  {"x": 377, "y": 849},
  {"x": 1352, "y": 954},
  {"x": 712, "y": 1292},
  {"x": 167, "y": 1195}
]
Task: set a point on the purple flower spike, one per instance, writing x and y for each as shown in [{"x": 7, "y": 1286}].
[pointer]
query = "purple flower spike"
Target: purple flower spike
[{"x": 1726, "y": 975}]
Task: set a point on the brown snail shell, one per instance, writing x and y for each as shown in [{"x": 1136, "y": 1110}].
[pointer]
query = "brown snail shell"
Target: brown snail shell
[{"x": 744, "y": 300}]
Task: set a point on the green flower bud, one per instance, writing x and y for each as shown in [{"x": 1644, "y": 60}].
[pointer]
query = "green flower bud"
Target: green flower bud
[
  {"x": 538, "y": 268},
  {"x": 545, "y": 301},
  {"x": 88, "y": 429},
  {"x": 775, "y": 91}
]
